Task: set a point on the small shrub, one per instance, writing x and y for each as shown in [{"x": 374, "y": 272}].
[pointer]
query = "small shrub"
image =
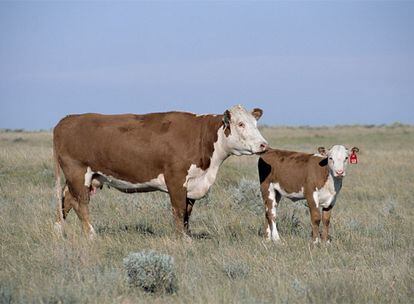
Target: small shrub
[
  {"x": 247, "y": 194},
  {"x": 236, "y": 270},
  {"x": 290, "y": 224},
  {"x": 389, "y": 208},
  {"x": 151, "y": 271},
  {"x": 353, "y": 224},
  {"x": 6, "y": 295},
  {"x": 18, "y": 139},
  {"x": 299, "y": 286}
]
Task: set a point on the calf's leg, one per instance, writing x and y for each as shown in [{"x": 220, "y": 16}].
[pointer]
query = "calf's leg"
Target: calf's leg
[
  {"x": 271, "y": 199},
  {"x": 315, "y": 218},
  {"x": 326, "y": 219}
]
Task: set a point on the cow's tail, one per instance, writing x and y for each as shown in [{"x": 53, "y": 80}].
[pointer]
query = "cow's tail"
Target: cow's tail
[{"x": 58, "y": 187}]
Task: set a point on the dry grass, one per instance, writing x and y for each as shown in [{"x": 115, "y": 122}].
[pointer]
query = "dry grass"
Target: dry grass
[{"x": 370, "y": 260}]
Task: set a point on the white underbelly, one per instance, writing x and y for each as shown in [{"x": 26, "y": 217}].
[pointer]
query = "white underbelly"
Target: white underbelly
[
  {"x": 294, "y": 196},
  {"x": 154, "y": 184}
]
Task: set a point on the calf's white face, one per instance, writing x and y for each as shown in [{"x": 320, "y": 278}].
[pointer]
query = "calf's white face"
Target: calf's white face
[
  {"x": 244, "y": 137},
  {"x": 338, "y": 160}
]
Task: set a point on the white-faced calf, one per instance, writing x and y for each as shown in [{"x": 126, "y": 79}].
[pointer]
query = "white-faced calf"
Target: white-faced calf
[{"x": 295, "y": 175}]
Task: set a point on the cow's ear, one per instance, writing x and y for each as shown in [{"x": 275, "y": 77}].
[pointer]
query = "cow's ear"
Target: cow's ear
[
  {"x": 323, "y": 162},
  {"x": 322, "y": 151},
  {"x": 355, "y": 149},
  {"x": 257, "y": 113},
  {"x": 226, "y": 118}
]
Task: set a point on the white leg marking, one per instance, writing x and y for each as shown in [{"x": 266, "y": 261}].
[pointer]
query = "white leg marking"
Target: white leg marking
[
  {"x": 92, "y": 233},
  {"x": 88, "y": 177},
  {"x": 316, "y": 241},
  {"x": 316, "y": 197},
  {"x": 272, "y": 234},
  {"x": 58, "y": 228}
]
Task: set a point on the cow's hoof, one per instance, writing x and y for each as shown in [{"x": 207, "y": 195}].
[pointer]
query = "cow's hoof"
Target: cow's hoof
[
  {"x": 57, "y": 227},
  {"x": 91, "y": 233},
  {"x": 187, "y": 238},
  {"x": 316, "y": 241},
  {"x": 275, "y": 240}
]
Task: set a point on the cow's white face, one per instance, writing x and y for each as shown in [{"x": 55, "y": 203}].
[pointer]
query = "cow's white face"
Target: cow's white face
[
  {"x": 338, "y": 160},
  {"x": 244, "y": 137}
]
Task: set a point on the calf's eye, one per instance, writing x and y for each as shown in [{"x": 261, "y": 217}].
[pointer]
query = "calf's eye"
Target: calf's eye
[{"x": 241, "y": 125}]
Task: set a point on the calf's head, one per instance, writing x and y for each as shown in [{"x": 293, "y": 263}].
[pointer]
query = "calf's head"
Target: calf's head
[
  {"x": 337, "y": 158},
  {"x": 242, "y": 135}
]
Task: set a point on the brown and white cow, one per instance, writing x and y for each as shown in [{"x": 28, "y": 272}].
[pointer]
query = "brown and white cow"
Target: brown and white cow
[
  {"x": 174, "y": 152},
  {"x": 295, "y": 175}
]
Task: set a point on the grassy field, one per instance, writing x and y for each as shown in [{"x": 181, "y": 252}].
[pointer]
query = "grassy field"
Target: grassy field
[{"x": 371, "y": 258}]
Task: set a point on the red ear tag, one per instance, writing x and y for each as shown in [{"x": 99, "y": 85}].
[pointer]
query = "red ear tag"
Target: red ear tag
[{"x": 353, "y": 158}]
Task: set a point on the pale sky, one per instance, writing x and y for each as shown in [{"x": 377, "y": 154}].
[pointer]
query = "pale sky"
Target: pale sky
[{"x": 303, "y": 63}]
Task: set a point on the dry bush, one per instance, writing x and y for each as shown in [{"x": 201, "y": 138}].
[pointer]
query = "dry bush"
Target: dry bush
[{"x": 151, "y": 271}]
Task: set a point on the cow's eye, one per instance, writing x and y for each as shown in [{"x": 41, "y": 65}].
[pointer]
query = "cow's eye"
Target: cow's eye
[
  {"x": 241, "y": 125},
  {"x": 330, "y": 158},
  {"x": 346, "y": 158}
]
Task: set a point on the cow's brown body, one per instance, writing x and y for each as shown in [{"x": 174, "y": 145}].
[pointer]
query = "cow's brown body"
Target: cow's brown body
[
  {"x": 171, "y": 152},
  {"x": 297, "y": 176},
  {"x": 118, "y": 145}
]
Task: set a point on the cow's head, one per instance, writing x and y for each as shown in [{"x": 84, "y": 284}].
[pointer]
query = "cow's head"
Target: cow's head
[
  {"x": 337, "y": 158},
  {"x": 242, "y": 135}
]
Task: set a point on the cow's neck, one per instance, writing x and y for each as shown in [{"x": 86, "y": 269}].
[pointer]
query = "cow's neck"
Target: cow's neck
[
  {"x": 220, "y": 153},
  {"x": 199, "y": 181},
  {"x": 335, "y": 182}
]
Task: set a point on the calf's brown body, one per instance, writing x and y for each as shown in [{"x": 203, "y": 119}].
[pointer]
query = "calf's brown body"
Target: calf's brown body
[{"x": 297, "y": 176}]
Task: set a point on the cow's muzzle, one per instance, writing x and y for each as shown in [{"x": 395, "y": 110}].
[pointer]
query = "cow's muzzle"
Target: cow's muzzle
[{"x": 263, "y": 148}]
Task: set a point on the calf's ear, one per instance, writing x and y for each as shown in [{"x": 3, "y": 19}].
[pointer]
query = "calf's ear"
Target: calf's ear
[
  {"x": 226, "y": 118},
  {"x": 355, "y": 149},
  {"x": 257, "y": 113},
  {"x": 322, "y": 151}
]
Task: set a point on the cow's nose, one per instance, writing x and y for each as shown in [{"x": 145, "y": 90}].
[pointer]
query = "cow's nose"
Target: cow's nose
[
  {"x": 340, "y": 172},
  {"x": 264, "y": 146}
]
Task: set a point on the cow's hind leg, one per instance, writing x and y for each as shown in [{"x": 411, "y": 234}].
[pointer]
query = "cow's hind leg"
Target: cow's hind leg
[
  {"x": 67, "y": 202},
  {"x": 64, "y": 208},
  {"x": 78, "y": 196}
]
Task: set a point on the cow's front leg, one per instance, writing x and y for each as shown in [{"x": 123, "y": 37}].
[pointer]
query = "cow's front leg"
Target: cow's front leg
[
  {"x": 326, "y": 219},
  {"x": 189, "y": 208},
  {"x": 178, "y": 197},
  {"x": 315, "y": 218}
]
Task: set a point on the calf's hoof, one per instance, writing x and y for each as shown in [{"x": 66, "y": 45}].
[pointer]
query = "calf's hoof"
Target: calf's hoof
[
  {"x": 58, "y": 229},
  {"x": 316, "y": 241}
]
